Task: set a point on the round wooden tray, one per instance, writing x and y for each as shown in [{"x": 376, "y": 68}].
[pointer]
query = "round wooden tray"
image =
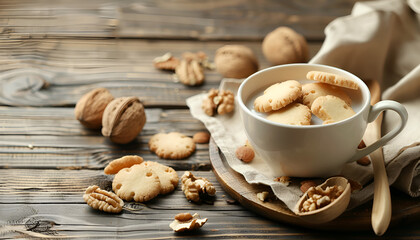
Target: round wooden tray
[{"x": 404, "y": 208}]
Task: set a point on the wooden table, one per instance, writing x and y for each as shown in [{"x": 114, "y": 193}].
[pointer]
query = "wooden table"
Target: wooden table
[{"x": 52, "y": 52}]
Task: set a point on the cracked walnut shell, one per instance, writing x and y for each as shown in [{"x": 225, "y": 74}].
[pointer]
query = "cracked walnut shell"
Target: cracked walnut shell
[
  {"x": 222, "y": 102},
  {"x": 187, "y": 222},
  {"x": 196, "y": 188},
  {"x": 123, "y": 119},
  {"x": 103, "y": 200},
  {"x": 90, "y": 107}
]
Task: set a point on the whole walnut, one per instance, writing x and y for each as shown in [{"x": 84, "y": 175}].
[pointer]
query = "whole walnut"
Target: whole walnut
[
  {"x": 235, "y": 61},
  {"x": 284, "y": 45},
  {"x": 91, "y": 106},
  {"x": 123, "y": 119}
]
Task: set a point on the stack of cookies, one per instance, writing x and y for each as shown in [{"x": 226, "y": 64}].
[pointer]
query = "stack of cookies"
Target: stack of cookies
[{"x": 292, "y": 103}]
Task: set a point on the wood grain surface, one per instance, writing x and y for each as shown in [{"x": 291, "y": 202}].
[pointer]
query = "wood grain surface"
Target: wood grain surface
[{"x": 204, "y": 20}]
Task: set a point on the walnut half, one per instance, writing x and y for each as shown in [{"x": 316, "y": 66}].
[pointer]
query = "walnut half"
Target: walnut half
[
  {"x": 220, "y": 102},
  {"x": 196, "y": 189},
  {"x": 103, "y": 200}
]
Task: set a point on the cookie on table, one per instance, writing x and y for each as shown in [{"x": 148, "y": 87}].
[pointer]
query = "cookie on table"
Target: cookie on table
[
  {"x": 172, "y": 145},
  {"x": 136, "y": 183},
  {"x": 278, "y": 96},
  {"x": 332, "y": 79},
  {"x": 167, "y": 176},
  {"x": 312, "y": 91},
  {"x": 331, "y": 109},
  {"x": 292, "y": 114},
  {"x": 125, "y": 162}
]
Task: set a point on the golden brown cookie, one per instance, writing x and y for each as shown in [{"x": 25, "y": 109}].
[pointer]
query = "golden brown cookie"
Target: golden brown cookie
[
  {"x": 125, "y": 162},
  {"x": 331, "y": 109},
  {"x": 312, "y": 91},
  {"x": 292, "y": 114},
  {"x": 167, "y": 176},
  {"x": 172, "y": 145},
  {"x": 235, "y": 61},
  {"x": 136, "y": 183},
  {"x": 332, "y": 79},
  {"x": 278, "y": 95},
  {"x": 284, "y": 45}
]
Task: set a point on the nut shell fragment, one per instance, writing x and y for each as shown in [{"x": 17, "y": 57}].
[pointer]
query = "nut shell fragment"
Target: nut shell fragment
[
  {"x": 180, "y": 225},
  {"x": 90, "y": 107},
  {"x": 123, "y": 119},
  {"x": 103, "y": 200}
]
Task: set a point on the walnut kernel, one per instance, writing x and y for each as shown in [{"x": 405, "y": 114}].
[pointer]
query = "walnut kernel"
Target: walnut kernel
[
  {"x": 166, "y": 62},
  {"x": 221, "y": 102},
  {"x": 103, "y": 200},
  {"x": 318, "y": 197},
  {"x": 196, "y": 188},
  {"x": 190, "y": 72}
]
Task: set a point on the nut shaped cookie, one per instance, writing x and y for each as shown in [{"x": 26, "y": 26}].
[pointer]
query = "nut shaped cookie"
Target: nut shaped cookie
[
  {"x": 136, "y": 183},
  {"x": 312, "y": 91},
  {"x": 332, "y": 79},
  {"x": 292, "y": 114},
  {"x": 125, "y": 162},
  {"x": 284, "y": 45},
  {"x": 172, "y": 145},
  {"x": 235, "y": 61},
  {"x": 331, "y": 109},
  {"x": 167, "y": 176},
  {"x": 278, "y": 95}
]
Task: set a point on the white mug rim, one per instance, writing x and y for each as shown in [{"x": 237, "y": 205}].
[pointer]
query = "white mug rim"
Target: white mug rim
[{"x": 361, "y": 84}]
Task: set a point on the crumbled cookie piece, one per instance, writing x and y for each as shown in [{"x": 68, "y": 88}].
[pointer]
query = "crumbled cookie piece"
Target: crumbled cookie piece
[
  {"x": 103, "y": 200},
  {"x": 245, "y": 154},
  {"x": 220, "y": 102},
  {"x": 262, "y": 196},
  {"x": 196, "y": 189},
  {"x": 318, "y": 197},
  {"x": 166, "y": 62},
  {"x": 187, "y": 222}
]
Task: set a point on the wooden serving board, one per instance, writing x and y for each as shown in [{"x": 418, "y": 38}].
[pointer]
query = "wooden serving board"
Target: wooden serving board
[{"x": 404, "y": 208}]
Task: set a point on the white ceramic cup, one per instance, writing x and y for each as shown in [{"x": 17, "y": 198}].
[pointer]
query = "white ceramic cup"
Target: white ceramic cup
[{"x": 313, "y": 150}]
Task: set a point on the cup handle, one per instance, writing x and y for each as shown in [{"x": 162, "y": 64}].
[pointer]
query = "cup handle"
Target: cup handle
[{"x": 373, "y": 114}]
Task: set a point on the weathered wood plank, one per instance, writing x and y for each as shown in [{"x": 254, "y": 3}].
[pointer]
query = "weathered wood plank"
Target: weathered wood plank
[
  {"x": 215, "y": 19},
  {"x": 53, "y": 138},
  {"x": 57, "y": 72},
  {"x": 52, "y": 200}
]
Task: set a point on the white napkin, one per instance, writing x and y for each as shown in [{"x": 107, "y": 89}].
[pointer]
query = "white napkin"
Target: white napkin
[{"x": 380, "y": 40}]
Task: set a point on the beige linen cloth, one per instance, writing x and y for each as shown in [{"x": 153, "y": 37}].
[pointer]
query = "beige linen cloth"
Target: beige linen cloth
[{"x": 379, "y": 40}]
